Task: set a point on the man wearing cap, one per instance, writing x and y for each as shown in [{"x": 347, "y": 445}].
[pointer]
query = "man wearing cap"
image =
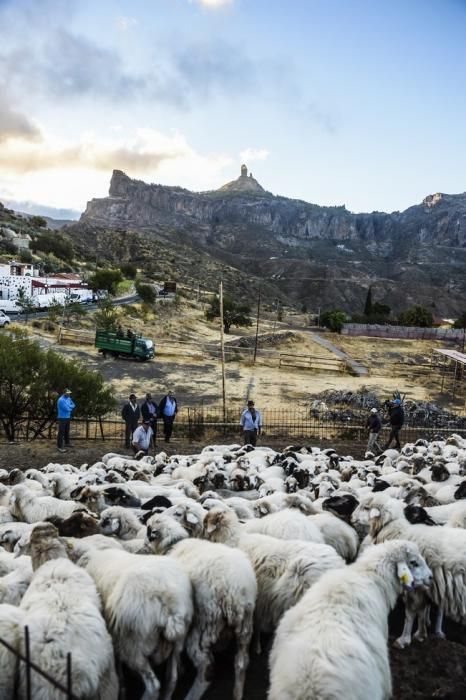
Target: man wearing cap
[
  {"x": 168, "y": 408},
  {"x": 251, "y": 424},
  {"x": 397, "y": 418},
  {"x": 142, "y": 437},
  {"x": 65, "y": 406},
  {"x": 130, "y": 414},
  {"x": 374, "y": 425}
]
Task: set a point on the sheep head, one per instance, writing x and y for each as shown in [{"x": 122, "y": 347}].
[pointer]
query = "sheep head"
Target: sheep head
[
  {"x": 163, "y": 532},
  {"x": 45, "y": 544},
  {"x": 221, "y": 525}
]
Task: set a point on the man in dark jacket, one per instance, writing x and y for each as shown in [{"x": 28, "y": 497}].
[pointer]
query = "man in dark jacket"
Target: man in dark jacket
[
  {"x": 149, "y": 413},
  {"x": 397, "y": 418},
  {"x": 374, "y": 425},
  {"x": 168, "y": 408},
  {"x": 130, "y": 414}
]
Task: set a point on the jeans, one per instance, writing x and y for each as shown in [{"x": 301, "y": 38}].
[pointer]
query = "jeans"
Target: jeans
[
  {"x": 63, "y": 434},
  {"x": 250, "y": 437},
  {"x": 372, "y": 443},
  {"x": 394, "y": 435},
  {"x": 168, "y": 427}
]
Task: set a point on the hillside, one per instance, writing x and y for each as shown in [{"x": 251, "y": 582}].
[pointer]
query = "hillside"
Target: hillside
[{"x": 321, "y": 256}]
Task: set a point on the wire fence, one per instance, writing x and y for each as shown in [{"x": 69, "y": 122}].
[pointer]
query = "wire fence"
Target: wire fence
[
  {"x": 209, "y": 422},
  {"x": 25, "y": 689}
]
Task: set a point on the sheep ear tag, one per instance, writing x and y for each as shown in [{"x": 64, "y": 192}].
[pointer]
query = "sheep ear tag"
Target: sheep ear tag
[
  {"x": 191, "y": 518},
  {"x": 404, "y": 575},
  {"x": 374, "y": 513},
  {"x": 211, "y": 528}
]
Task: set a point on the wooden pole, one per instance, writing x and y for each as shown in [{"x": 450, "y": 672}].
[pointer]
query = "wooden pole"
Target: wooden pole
[
  {"x": 222, "y": 344},
  {"x": 257, "y": 324}
]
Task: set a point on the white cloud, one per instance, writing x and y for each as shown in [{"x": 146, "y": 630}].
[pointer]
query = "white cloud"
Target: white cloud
[
  {"x": 251, "y": 154},
  {"x": 213, "y": 3},
  {"x": 123, "y": 23},
  {"x": 68, "y": 174}
]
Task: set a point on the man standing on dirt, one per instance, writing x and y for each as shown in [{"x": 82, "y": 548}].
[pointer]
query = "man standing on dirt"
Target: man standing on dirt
[
  {"x": 251, "y": 424},
  {"x": 131, "y": 414},
  {"x": 149, "y": 413},
  {"x": 374, "y": 425},
  {"x": 397, "y": 418},
  {"x": 168, "y": 408},
  {"x": 142, "y": 437},
  {"x": 65, "y": 406}
]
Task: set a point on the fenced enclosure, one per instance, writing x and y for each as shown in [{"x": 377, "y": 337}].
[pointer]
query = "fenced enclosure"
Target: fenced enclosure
[
  {"x": 209, "y": 423},
  {"x": 30, "y": 668}
]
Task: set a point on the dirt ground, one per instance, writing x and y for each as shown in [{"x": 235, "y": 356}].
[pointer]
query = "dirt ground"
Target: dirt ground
[{"x": 185, "y": 364}]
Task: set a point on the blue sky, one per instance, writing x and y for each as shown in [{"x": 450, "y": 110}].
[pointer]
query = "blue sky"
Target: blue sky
[{"x": 332, "y": 101}]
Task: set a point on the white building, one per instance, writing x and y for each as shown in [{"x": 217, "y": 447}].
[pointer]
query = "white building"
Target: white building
[{"x": 15, "y": 276}]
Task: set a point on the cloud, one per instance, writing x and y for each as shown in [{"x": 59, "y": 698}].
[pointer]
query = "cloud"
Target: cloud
[
  {"x": 251, "y": 154},
  {"x": 14, "y": 125},
  {"x": 64, "y": 174},
  {"x": 123, "y": 23},
  {"x": 213, "y": 3}
]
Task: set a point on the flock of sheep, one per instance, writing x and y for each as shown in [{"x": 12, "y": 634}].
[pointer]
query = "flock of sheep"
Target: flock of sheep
[{"x": 134, "y": 562}]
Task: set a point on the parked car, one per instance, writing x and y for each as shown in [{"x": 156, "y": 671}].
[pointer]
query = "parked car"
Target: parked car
[{"x": 4, "y": 320}]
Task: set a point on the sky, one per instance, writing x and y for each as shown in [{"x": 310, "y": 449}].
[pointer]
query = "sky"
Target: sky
[{"x": 335, "y": 102}]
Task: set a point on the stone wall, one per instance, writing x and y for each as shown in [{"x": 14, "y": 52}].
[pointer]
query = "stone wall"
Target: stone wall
[{"x": 403, "y": 332}]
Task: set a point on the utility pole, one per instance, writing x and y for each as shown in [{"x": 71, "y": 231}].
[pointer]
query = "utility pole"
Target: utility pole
[
  {"x": 222, "y": 345},
  {"x": 257, "y": 323}
]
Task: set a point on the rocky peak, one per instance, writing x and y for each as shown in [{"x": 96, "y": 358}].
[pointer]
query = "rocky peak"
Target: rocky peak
[
  {"x": 244, "y": 183},
  {"x": 120, "y": 184},
  {"x": 432, "y": 199}
]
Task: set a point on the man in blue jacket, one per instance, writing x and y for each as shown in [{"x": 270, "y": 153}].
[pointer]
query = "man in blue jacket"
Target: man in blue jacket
[{"x": 65, "y": 406}]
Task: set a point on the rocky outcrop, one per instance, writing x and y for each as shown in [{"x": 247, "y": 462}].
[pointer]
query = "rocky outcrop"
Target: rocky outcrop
[{"x": 318, "y": 255}]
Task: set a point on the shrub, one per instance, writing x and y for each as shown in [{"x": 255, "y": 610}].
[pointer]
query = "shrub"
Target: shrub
[
  {"x": 54, "y": 243},
  {"x": 146, "y": 292},
  {"x": 333, "y": 319},
  {"x": 106, "y": 278}
]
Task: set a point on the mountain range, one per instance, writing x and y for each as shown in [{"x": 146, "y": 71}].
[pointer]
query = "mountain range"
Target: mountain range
[{"x": 306, "y": 254}]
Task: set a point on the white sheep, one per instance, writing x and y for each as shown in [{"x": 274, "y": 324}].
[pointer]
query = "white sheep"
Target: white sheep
[
  {"x": 224, "y": 591},
  {"x": 62, "y": 610},
  {"x": 444, "y": 549},
  {"x": 121, "y": 522},
  {"x": 148, "y": 607},
  {"x": 11, "y": 631},
  {"x": 15, "y": 584},
  {"x": 31, "y": 508},
  {"x": 288, "y": 524},
  {"x": 342, "y": 620}
]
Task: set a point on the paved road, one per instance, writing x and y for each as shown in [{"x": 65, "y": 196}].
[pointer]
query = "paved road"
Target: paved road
[
  {"x": 356, "y": 367},
  {"x": 118, "y": 301}
]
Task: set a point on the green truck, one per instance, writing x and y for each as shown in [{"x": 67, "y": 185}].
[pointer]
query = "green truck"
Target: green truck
[{"x": 110, "y": 343}]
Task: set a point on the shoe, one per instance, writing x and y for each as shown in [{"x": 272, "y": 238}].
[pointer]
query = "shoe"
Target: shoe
[{"x": 61, "y": 449}]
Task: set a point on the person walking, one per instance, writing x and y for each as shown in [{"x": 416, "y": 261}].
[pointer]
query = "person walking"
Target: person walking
[
  {"x": 131, "y": 414},
  {"x": 251, "y": 424},
  {"x": 374, "y": 426},
  {"x": 397, "y": 418},
  {"x": 168, "y": 408},
  {"x": 149, "y": 413},
  {"x": 65, "y": 407},
  {"x": 142, "y": 437}
]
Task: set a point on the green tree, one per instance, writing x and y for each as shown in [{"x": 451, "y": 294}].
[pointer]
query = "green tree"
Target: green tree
[
  {"x": 38, "y": 222},
  {"x": 55, "y": 311},
  {"x": 106, "y": 278},
  {"x": 25, "y": 256},
  {"x": 72, "y": 311},
  {"x": 334, "y": 319},
  {"x": 379, "y": 309},
  {"x": 55, "y": 243},
  {"x": 25, "y": 303},
  {"x": 234, "y": 313},
  {"x": 107, "y": 315},
  {"x": 129, "y": 270},
  {"x": 31, "y": 381},
  {"x": 368, "y": 304},
  {"x": 146, "y": 292},
  {"x": 417, "y": 316}
]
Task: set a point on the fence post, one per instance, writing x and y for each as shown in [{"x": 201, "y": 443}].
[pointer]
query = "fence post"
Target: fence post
[
  {"x": 28, "y": 663},
  {"x": 69, "y": 684}
]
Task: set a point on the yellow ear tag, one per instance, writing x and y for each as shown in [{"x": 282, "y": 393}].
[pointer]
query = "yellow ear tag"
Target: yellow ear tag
[
  {"x": 404, "y": 578},
  {"x": 70, "y": 546}
]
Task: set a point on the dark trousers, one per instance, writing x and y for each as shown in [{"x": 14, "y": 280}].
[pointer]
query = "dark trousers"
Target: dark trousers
[
  {"x": 394, "y": 435},
  {"x": 63, "y": 434},
  {"x": 250, "y": 437},
  {"x": 129, "y": 430},
  {"x": 168, "y": 427}
]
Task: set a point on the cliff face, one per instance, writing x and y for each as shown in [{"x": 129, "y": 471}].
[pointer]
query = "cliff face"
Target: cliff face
[{"x": 419, "y": 253}]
